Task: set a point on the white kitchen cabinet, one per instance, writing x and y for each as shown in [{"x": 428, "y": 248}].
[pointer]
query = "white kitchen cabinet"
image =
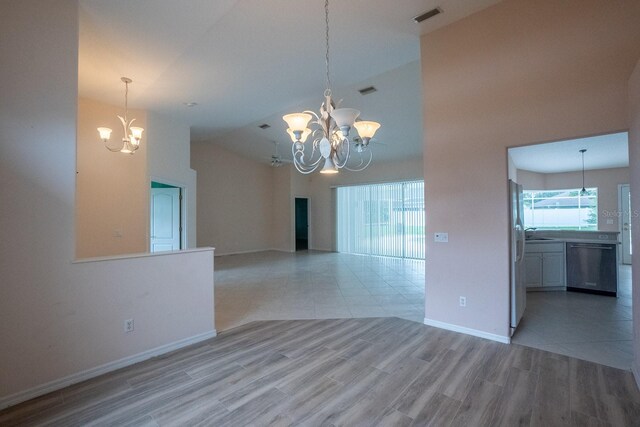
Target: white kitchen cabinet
[
  {"x": 544, "y": 266},
  {"x": 533, "y": 270},
  {"x": 553, "y": 269}
]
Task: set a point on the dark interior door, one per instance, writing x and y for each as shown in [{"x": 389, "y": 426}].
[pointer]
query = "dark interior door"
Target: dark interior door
[{"x": 302, "y": 224}]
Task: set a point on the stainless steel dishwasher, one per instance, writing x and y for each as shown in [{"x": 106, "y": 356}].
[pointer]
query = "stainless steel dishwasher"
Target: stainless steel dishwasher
[{"x": 592, "y": 268}]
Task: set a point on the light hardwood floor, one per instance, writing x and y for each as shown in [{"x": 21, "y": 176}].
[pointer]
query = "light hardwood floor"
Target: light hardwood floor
[{"x": 352, "y": 372}]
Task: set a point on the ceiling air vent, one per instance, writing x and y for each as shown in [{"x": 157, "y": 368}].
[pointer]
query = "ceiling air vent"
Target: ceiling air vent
[
  {"x": 264, "y": 126},
  {"x": 427, "y": 15},
  {"x": 367, "y": 90}
]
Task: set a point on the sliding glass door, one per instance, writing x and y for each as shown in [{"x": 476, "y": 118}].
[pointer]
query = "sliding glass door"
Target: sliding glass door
[{"x": 382, "y": 219}]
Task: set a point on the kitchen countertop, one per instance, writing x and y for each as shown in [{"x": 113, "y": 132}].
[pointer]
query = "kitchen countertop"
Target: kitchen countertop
[
  {"x": 572, "y": 240},
  {"x": 576, "y": 236}
]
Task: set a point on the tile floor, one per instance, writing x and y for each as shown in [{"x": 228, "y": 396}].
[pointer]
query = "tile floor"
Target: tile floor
[
  {"x": 590, "y": 327},
  {"x": 320, "y": 285},
  {"x": 315, "y": 285}
]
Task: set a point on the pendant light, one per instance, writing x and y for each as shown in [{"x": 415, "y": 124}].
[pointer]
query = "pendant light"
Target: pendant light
[
  {"x": 584, "y": 190},
  {"x": 131, "y": 134},
  {"x": 330, "y": 149}
]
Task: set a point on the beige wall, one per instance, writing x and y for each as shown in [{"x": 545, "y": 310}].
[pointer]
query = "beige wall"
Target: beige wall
[
  {"x": 248, "y": 206},
  {"x": 112, "y": 193},
  {"x": 281, "y": 232},
  {"x": 169, "y": 161},
  {"x": 606, "y": 180},
  {"x": 532, "y": 180},
  {"x": 112, "y": 198},
  {"x": 634, "y": 155},
  {"x": 63, "y": 321},
  {"x": 235, "y": 200},
  {"x": 287, "y": 185},
  {"x": 517, "y": 73},
  {"x": 512, "y": 171}
]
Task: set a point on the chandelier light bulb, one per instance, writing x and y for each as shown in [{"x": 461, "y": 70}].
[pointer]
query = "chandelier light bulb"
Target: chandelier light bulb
[
  {"x": 297, "y": 121},
  {"x": 345, "y": 118},
  {"x": 136, "y": 135},
  {"x": 366, "y": 129},
  {"x": 329, "y": 166},
  {"x": 105, "y": 134},
  {"x": 303, "y": 136}
]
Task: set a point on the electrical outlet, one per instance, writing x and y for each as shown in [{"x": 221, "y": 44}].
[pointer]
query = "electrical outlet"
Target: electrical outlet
[
  {"x": 463, "y": 301},
  {"x": 441, "y": 237},
  {"x": 128, "y": 325}
]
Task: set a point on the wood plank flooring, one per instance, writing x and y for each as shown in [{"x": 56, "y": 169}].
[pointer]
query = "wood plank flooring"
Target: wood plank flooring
[{"x": 345, "y": 372}]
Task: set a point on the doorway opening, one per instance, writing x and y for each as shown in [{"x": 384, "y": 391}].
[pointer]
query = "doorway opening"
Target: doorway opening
[
  {"x": 302, "y": 223},
  {"x": 578, "y": 285},
  {"x": 165, "y": 218}
]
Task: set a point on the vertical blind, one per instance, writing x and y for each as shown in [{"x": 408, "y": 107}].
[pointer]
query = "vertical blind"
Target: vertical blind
[{"x": 382, "y": 219}]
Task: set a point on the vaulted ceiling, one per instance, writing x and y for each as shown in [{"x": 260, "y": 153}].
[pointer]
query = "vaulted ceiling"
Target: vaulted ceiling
[{"x": 247, "y": 62}]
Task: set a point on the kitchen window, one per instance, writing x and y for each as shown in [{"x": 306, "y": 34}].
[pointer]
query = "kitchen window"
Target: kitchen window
[
  {"x": 561, "y": 209},
  {"x": 382, "y": 219}
]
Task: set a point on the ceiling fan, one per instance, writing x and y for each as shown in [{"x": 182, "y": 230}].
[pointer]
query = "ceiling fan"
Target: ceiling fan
[
  {"x": 356, "y": 142},
  {"x": 276, "y": 158}
]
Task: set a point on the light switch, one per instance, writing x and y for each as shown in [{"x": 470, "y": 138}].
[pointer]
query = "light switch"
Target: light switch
[
  {"x": 609, "y": 222},
  {"x": 441, "y": 237}
]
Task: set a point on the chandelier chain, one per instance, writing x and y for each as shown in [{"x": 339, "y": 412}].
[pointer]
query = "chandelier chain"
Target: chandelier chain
[
  {"x": 126, "y": 99},
  {"x": 326, "y": 58}
]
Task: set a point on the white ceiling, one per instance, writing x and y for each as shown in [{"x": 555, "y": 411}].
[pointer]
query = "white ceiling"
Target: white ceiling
[
  {"x": 246, "y": 62},
  {"x": 603, "y": 152}
]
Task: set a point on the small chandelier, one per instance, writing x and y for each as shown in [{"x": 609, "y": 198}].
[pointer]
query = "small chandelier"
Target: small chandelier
[
  {"x": 330, "y": 147},
  {"x": 132, "y": 134},
  {"x": 583, "y": 192}
]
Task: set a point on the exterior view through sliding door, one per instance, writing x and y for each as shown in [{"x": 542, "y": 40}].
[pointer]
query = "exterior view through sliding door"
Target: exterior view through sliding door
[{"x": 382, "y": 219}]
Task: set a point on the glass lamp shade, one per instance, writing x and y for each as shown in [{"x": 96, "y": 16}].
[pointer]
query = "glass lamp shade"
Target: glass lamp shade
[
  {"x": 345, "y": 116},
  {"x": 329, "y": 166},
  {"x": 105, "y": 133},
  {"x": 366, "y": 129},
  {"x": 136, "y": 133},
  {"x": 297, "y": 121},
  {"x": 303, "y": 137}
]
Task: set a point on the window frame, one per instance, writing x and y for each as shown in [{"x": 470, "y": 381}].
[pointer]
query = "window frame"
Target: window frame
[{"x": 590, "y": 223}]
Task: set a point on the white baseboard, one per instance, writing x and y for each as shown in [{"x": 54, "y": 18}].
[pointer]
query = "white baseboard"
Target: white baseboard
[
  {"x": 468, "y": 331},
  {"x": 77, "y": 377},
  {"x": 251, "y": 251}
]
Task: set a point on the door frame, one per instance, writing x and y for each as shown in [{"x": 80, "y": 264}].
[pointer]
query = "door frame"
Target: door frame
[
  {"x": 183, "y": 210},
  {"x": 621, "y": 223},
  {"x": 293, "y": 222}
]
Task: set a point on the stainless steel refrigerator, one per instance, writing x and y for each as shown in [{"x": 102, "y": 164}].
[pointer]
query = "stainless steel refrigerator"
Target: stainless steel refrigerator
[{"x": 517, "y": 241}]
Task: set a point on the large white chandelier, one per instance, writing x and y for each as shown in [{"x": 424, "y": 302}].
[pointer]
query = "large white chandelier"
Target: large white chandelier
[
  {"x": 329, "y": 131},
  {"x": 132, "y": 135}
]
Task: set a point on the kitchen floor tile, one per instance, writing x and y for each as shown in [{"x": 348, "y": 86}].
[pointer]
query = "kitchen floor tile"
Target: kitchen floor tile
[{"x": 590, "y": 327}]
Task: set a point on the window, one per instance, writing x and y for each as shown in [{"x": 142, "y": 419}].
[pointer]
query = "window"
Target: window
[
  {"x": 561, "y": 209},
  {"x": 382, "y": 219}
]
